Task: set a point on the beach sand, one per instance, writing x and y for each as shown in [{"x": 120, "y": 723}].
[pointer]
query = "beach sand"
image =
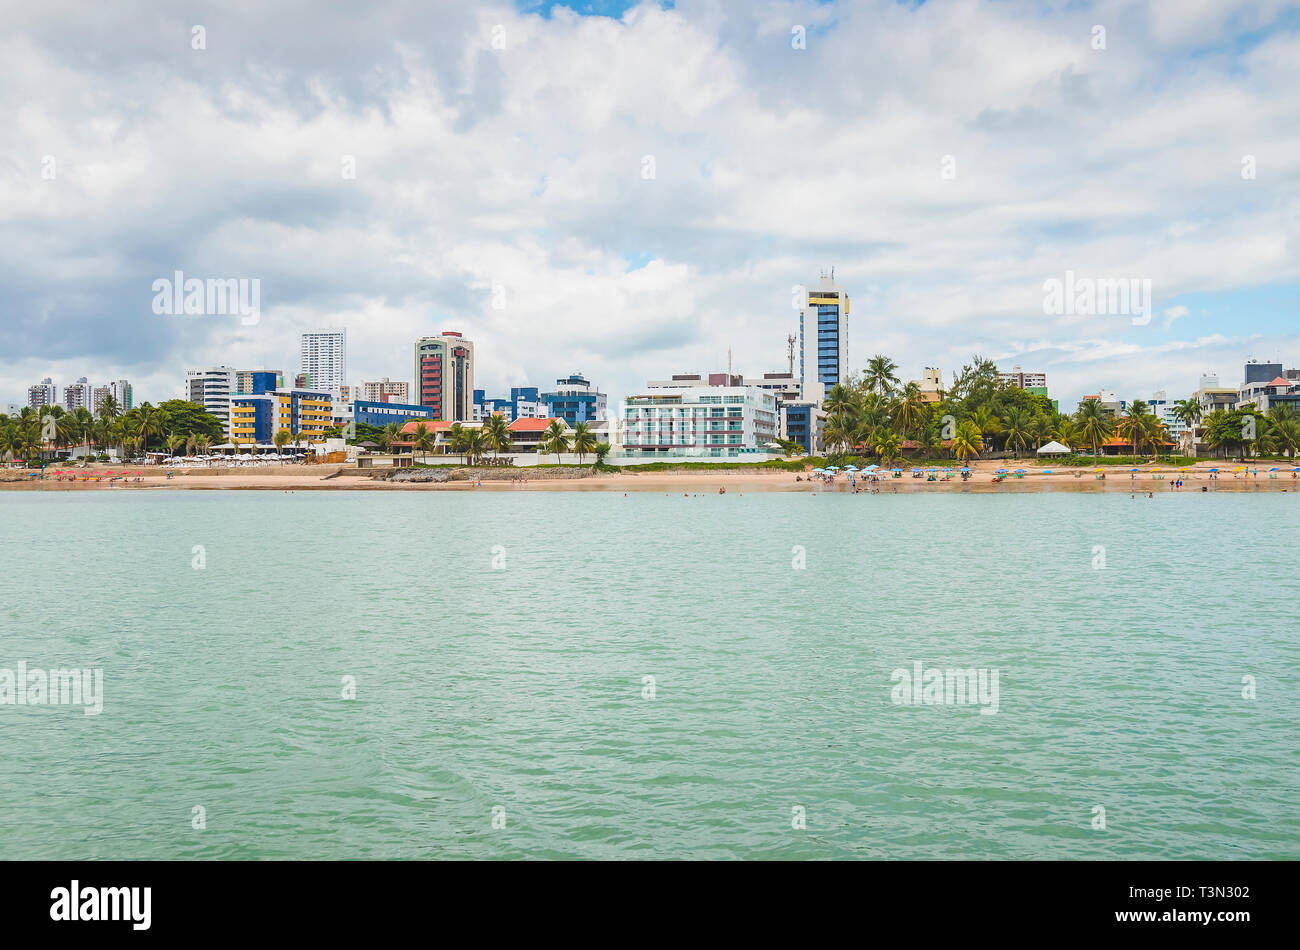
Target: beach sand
[{"x": 343, "y": 478}]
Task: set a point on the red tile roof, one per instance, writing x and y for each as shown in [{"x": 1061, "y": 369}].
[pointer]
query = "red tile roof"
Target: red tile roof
[
  {"x": 433, "y": 425},
  {"x": 1281, "y": 381},
  {"x": 530, "y": 425}
]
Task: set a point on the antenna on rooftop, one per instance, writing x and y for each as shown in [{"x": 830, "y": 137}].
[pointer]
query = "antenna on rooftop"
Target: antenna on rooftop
[{"x": 789, "y": 351}]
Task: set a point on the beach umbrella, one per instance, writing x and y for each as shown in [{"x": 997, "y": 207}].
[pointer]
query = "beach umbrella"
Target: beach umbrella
[
  {"x": 966, "y": 468},
  {"x": 1001, "y": 471},
  {"x": 1274, "y": 470},
  {"x": 1047, "y": 471},
  {"x": 1020, "y": 471},
  {"x": 871, "y": 468},
  {"x": 899, "y": 470},
  {"x": 850, "y": 468},
  {"x": 1214, "y": 470}
]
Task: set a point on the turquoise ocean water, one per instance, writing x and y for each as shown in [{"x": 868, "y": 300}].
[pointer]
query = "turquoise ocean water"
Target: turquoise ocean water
[{"x": 522, "y": 687}]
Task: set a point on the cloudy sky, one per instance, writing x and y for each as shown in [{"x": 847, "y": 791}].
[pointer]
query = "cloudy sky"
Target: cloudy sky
[{"x": 642, "y": 184}]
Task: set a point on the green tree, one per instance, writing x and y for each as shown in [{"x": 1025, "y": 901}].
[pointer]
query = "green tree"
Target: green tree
[
  {"x": 881, "y": 374},
  {"x": 584, "y": 440},
  {"x": 1094, "y": 423},
  {"x": 556, "y": 439},
  {"x": 497, "y": 432}
]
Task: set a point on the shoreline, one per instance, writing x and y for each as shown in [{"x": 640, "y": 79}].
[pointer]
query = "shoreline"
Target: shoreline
[{"x": 1037, "y": 479}]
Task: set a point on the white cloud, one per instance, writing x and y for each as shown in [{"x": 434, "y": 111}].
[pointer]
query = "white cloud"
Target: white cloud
[{"x": 523, "y": 167}]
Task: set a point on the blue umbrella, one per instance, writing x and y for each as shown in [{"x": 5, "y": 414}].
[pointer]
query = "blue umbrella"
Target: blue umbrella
[
  {"x": 1214, "y": 470},
  {"x": 1047, "y": 471},
  {"x": 899, "y": 470},
  {"x": 966, "y": 469},
  {"x": 918, "y": 470},
  {"x": 870, "y": 468},
  {"x": 1274, "y": 470},
  {"x": 1020, "y": 471},
  {"x": 1001, "y": 471},
  {"x": 850, "y": 468}
]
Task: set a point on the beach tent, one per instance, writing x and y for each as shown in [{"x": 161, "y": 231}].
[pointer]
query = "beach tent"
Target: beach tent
[{"x": 1054, "y": 448}]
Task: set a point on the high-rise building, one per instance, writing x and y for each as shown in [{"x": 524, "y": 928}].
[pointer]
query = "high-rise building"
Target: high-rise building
[
  {"x": 256, "y": 419},
  {"x": 79, "y": 395},
  {"x": 324, "y": 360},
  {"x": 575, "y": 400},
  {"x": 212, "y": 389},
  {"x": 444, "y": 375},
  {"x": 1022, "y": 380},
  {"x": 823, "y": 337},
  {"x": 257, "y": 382},
  {"x": 44, "y": 393},
  {"x": 385, "y": 390}
]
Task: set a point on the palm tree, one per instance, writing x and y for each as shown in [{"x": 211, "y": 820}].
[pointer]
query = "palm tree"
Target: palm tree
[
  {"x": 910, "y": 410},
  {"x": 109, "y": 409},
  {"x": 1188, "y": 412},
  {"x": 584, "y": 440},
  {"x": 1133, "y": 425},
  {"x": 1017, "y": 427},
  {"x": 880, "y": 375},
  {"x": 887, "y": 445},
  {"x": 1068, "y": 433},
  {"x": 555, "y": 439},
  {"x": 840, "y": 398},
  {"x": 842, "y": 430},
  {"x": 987, "y": 422},
  {"x": 497, "y": 432},
  {"x": 1094, "y": 423},
  {"x": 475, "y": 443},
  {"x": 148, "y": 425},
  {"x": 422, "y": 439},
  {"x": 967, "y": 440}
]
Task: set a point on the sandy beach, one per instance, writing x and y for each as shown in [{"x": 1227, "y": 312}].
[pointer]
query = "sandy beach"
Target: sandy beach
[{"x": 1037, "y": 478}]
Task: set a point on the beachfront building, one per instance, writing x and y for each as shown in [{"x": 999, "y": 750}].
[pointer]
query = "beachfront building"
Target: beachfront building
[
  {"x": 303, "y": 412},
  {"x": 252, "y": 419},
  {"x": 382, "y": 413},
  {"x": 44, "y": 393},
  {"x": 688, "y": 415},
  {"x": 575, "y": 400},
  {"x": 386, "y": 390},
  {"x": 212, "y": 388},
  {"x": 444, "y": 375},
  {"x": 797, "y": 420},
  {"x": 526, "y": 434},
  {"x": 525, "y": 402},
  {"x": 324, "y": 360},
  {"x": 823, "y": 337}
]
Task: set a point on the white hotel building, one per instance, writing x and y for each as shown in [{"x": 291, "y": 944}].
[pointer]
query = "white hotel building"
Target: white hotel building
[{"x": 690, "y": 415}]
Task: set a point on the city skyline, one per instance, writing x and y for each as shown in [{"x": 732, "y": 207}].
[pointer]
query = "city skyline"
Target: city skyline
[{"x": 659, "y": 220}]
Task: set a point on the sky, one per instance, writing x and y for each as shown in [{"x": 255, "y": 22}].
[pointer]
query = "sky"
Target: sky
[{"x": 632, "y": 190}]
